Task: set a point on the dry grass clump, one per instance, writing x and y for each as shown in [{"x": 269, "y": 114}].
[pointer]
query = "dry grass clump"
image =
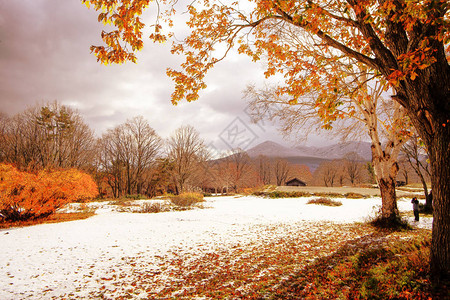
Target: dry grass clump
[
  {"x": 354, "y": 196},
  {"x": 325, "y": 201},
  {"x": 154, "y": 207},
  {"x": 186, "y": 199},
  {"x": 122, "y": 202}
]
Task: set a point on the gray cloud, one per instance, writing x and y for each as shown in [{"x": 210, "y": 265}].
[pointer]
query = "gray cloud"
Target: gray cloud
[{"x": 45, "y": 56}]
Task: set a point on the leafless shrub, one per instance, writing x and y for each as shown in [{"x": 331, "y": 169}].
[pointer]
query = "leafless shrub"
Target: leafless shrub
[{"x": 154, "y": 207}]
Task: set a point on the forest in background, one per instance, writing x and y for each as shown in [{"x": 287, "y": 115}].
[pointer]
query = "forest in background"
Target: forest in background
[{"x": 132, "y": 159}]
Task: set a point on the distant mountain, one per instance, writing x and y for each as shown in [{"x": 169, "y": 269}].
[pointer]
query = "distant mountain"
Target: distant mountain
[
  {"x": 311, "y": 156},
  {"x": 272, "y": 149},
  {"x": 338, "y": 151}
]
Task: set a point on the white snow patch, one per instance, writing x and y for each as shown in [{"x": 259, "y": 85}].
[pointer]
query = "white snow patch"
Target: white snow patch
[{"x": 70, "y": 259}]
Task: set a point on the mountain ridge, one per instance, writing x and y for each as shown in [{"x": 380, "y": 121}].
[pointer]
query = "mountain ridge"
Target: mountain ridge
[{"x": 335, "y": 151}]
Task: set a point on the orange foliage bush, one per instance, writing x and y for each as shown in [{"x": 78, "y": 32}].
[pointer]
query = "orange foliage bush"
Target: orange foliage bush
[{"x": 26, "y": 195}]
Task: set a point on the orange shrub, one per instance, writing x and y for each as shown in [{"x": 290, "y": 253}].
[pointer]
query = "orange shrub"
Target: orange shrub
[{"x": 26, "y": 195}]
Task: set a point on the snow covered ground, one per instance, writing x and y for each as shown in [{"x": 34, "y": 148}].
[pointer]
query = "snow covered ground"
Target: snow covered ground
[{"x": 74, "y": 259}]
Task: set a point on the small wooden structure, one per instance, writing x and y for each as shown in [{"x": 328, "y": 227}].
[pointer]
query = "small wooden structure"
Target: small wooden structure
[{"x": 295, "y": 182}]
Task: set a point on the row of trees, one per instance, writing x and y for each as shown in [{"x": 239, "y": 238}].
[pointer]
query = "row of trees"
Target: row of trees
[
  {"x": 48, "y": 136},
  {"x": 350, "y": 171},
  {"x": 132, "y": 158}
]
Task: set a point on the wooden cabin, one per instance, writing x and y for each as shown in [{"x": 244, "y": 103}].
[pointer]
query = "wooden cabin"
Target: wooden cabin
[{"x": 295, "y": 182}]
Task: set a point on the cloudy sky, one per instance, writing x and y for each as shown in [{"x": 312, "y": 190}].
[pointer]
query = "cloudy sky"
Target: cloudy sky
[{"x": 45, "y": 56}]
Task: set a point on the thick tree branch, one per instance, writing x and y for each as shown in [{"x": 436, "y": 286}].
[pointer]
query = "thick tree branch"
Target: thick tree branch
[
  {"x": 347, "y": 21},
  {"x": 395, "y": 36},
  {"x": 329, "y": 40},
  {"x": 384, "y": 59}
]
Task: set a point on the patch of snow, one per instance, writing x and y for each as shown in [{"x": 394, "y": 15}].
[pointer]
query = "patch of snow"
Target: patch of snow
[{"x": 72, "y": 259}]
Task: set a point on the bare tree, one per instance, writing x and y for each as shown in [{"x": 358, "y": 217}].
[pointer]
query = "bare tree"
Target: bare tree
[
  {"x": 224, "y": 171},
  {"x": 416, "y": 155},
  {"x": 340, "y": 174},
  {"x": 47, "y": 136},
  {"x": 3, "y": 136},
  {"x": 326, "y": 173},
  {"x": 186, "y": 152},
  {"x": 145, "y": 147},
  {"x": 127, "y": 152},
  {"x": 353, "y": 167},
  {"x": 110, "y": 162},
  {"x": 239, "y": 169},
  {"x": 263, "y": 165},
  {"x": 405, "y": 169},
  {"x": 281, "y": 170}
]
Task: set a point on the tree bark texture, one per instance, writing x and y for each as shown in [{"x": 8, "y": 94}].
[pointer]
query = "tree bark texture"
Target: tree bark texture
[
  {"x": 440, "y": 166},
  {"x": 430, "y": 114},
  {"x": 386, "y": 181},
  {"x": 427, "y": 101}
]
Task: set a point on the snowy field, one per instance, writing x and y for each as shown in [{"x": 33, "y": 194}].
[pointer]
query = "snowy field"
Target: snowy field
[{"x": 76, "y": 259}]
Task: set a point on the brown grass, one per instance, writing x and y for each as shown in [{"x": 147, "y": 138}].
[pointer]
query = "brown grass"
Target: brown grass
[
  {"x": 353, "y": 196},
  {"x": 54, "y": 218},
  {"x": 186, "y": 199},
  {"x": 324, "y": 201}
]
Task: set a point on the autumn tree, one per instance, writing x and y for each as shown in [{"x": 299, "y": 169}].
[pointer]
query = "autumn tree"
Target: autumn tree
[
  {"x": 352, "y": 113},
  {"x": 401, "y": 42},
  {"x": 25, "y": 195}
]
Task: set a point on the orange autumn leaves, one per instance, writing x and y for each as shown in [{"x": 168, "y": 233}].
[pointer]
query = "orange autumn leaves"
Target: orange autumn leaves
[
  {"x": 302, "y": 40},
  {"x": 25, "y": 195}
]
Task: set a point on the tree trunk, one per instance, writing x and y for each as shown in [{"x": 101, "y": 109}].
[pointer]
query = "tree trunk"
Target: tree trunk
[
  {"x": 425, "y": 190},
  {"x": 428, "y": 201},
  {"x": 386, "y": 170},
  {"x": 429, "y": 112},
  {"x": 439, "y": 153},
  {"x": 389, "y": 211}
]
